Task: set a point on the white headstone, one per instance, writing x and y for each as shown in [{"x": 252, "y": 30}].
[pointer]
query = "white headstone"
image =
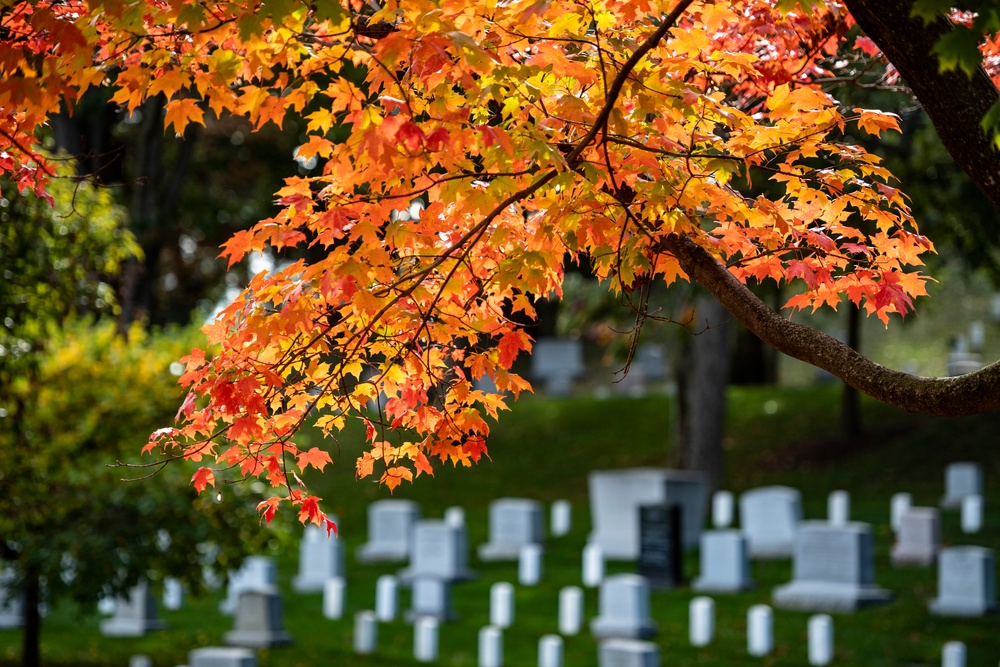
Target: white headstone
[
  {"x": 701, "y": 621},
  {"x": 616, "y": 495},
  {"x": 173, "y": 594},
  {"x": 838, "y": 507},
  {"x": 439, "y": 551},
  {"x": 455, "y": 516},
  {"x": 529, "y": 565},
  {"x": 972, "y": 513},
  {"x": 222, "y": 656},
  {"x": 550, "y": 651},
  {"x": 557, "y": 362},
  {"x": 918, "y": 537},
  {"x": 514, "y": 522},
  {"x": 769, "y": 517},
  {"x": 134, "y": 616},
  {"x": 490, "y": 646},
  {"x": 259, "y": 621},
  {"x": 623, "y": 604},
  {"x": 139, "y": 661},
  {"x": 966, "y": 582},
  {"x": 833, "y": 569},
  {"x": 961, "y": 479},
  {"x": 570, "y": 610},
  {"x": 431, "y": 597},
  {"x": 760, "y": 630},
  {"x": 365, "y": 632},
  {"x": 321, "y": 557},
  {"x": 977, "y": 336},
  {"x": 722, "y": 509},
  {"x": 898, "y": 505},
  {"x": 501, "y": 604},
  {"x": 628, "y": 653},
  {"x": 390, "y": 531},
  {"x": 425, "y": 639},
  {"x": 561, "y": 518},
  {"x": 725, "y": 562},
  {"x": 953, "y": 654},
  {"x": 593, "y": 565},
  {"x": 256, "y": 573},
  {"x": 333, "y": 598},
  {"x": 386, "y": 598},
  {"x": 820, "y": 639}
]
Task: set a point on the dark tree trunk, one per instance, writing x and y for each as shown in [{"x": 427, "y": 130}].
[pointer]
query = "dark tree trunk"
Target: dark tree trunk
[
  {"x": 702, "y": 377},
  {"x": 851, "y": 422},
  {"x": 954, "y": 102},
  {"x": 31, "y": 635}
]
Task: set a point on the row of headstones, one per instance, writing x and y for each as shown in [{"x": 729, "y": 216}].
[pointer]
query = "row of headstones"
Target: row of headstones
[
  {"x": 768, "y": 515},
  {"x": 515, "y": 528}
]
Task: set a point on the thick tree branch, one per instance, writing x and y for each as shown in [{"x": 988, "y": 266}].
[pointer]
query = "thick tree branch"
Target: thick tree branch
[
  {"x": 947, "y": 396},
  {"x": 954, "y": 102}
]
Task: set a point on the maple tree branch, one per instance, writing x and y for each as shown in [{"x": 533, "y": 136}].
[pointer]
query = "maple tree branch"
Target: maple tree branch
[{"x": 944, "y": 396}]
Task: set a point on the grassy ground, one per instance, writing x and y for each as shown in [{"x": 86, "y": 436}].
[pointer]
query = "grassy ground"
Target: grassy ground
[{"x": 544, "y": 450}]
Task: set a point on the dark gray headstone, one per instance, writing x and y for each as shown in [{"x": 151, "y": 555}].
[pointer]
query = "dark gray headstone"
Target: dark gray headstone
[{"x": 660, "y": 554}]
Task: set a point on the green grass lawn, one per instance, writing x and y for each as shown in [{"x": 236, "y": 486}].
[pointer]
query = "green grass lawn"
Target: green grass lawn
[{"x": 544, "y": 449}]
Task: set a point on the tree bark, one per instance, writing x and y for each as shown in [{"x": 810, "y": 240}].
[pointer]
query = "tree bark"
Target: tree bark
[
  {"x": 31, "y": 634},
  {"x": 702, "y": 378},
  {"x": 948, "y": 396},
  {"x": 954, "y": 102},
  {"x": 851, "y": 422}
]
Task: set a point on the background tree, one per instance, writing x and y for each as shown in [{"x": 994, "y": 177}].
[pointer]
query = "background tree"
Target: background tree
[
  {"x": 615, "y": 131},
  {"x": 74, "y": 398}
]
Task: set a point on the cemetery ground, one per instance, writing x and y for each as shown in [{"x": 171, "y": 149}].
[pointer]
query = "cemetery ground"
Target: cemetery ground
[{"x": 544, "y": 450}]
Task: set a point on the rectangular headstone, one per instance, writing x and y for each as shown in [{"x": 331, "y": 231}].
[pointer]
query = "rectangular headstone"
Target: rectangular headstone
[
  {"x": 256, "y": 573},
  {"x": 918, "y": 538},
  {"x": 431, "y": 597},
  {"x": 439, "y": 551},
  {"x": 833, "y": 569},
  {"x": 390, "y": 531},
  {"x": 725, "y": 562},
  {"x": 660, "y": 555},
  {"x": 966, "y": 582},
  {"x": 134, "y": 615},
  {"x": 769, "y": 517},
  {"x": 624, "y": 609},
  {"x": 259, "y": 621},
  {"x": 961, "y": 479},
  {"x": 321, "y": 557},
  {"x": 557, "y": 362},
  {"x": 513, "y": 523}
]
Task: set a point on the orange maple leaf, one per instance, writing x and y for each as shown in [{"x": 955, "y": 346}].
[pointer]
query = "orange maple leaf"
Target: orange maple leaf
[
  {"x": 315, "y": 457},
  {"x": 202, "y": 478}
]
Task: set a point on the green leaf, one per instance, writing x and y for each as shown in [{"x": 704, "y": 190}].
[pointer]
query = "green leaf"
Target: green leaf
[{"x": 959, "y": 48}]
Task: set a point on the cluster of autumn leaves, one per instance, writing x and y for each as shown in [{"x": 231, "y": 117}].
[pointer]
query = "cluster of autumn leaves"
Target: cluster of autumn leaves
[{"x": 528, "y": 131}]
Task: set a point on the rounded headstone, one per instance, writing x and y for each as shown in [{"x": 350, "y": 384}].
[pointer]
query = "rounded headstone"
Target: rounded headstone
[
  {"x": 820, "y": 638},
  {"x": 333, "y": 598},
  {"x": 701, "y": 621},
  {"x": 502, "y": 604},
  {"x": 529, "y": 565},
  {"x": 550, "y": 651},
  {"x": 593, "y": 565},
  {"x": 365, "y": 632},
  {"x": 760, "y": 630},
  {"x": 425, "y": 639},
  {"x": 570, "y": 610}
]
